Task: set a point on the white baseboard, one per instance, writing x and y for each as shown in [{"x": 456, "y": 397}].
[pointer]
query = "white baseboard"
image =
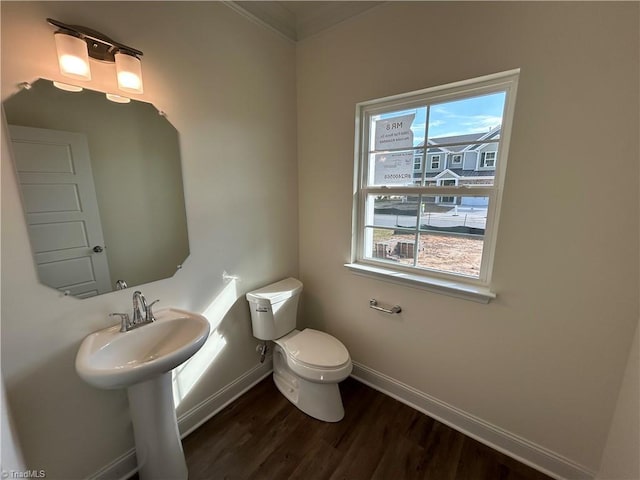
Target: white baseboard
[
  {"x": 524, "y": 451},
  {"x": 206, "y": 409},
  {"x": 122, "y": 467},
  {"x": 125, "y": 465}
]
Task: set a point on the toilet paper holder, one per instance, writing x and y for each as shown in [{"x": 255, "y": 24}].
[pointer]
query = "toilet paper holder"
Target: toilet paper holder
[{"x": 373, "y": 303}]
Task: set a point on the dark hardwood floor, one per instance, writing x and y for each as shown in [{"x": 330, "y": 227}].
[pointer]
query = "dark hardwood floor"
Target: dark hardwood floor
[{"x": 262, "y": 436}]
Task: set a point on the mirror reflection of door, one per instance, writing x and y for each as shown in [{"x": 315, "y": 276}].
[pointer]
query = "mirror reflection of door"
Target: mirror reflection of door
[{"x": 54, "y": 171}]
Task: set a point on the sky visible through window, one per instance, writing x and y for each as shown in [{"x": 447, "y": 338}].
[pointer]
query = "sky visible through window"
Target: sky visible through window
[{"x": 461, "y": 117}]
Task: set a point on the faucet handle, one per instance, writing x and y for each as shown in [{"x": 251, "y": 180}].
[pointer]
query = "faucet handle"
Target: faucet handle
[
  {"x": 150, "y": 317},
  {"x": 124, "y": 320}
]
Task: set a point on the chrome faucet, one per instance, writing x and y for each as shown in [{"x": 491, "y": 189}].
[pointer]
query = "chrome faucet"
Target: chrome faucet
[
  {"x": 139, "y": 301},
  {"x": 138, "y": 318}
]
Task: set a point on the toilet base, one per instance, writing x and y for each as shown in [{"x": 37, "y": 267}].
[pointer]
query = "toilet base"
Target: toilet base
[{"x": 318, "y": 400}]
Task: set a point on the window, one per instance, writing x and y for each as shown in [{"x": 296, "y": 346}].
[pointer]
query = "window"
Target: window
[
  {"x": 456, "y": 160},
  {"x": 410, "y": 225},
  {"x": 447, "y": 183},
  {"x": 488, "y": 160}
]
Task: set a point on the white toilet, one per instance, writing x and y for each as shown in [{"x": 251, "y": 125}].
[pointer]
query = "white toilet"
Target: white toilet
[{"x": 307, "y": 364}]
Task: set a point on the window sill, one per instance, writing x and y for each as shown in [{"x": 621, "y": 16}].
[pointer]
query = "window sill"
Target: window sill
[{"x": 445, "y": 287}]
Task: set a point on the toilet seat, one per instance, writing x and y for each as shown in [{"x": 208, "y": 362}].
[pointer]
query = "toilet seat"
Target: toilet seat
[
  {"x": 316, "y": 356},
  {"x": 314, "y": 348}
]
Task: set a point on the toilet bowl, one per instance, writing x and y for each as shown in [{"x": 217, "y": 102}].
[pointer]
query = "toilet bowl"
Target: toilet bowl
[
  {"x": 307, "y": 364},
  {"x": 307, "y": 367}
]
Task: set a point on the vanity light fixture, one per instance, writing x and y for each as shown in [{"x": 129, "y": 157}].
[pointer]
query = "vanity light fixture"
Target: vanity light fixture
[{"x": 75, "y": 44}]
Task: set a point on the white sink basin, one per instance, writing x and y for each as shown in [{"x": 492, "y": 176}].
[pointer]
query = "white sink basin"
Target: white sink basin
[{"x": 112, "y": 359}]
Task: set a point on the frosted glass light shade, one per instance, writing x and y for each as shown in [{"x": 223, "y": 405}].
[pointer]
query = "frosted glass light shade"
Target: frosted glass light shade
[
  {"x": 129, "y": 71},
  {"x": 73, "y": 57}
]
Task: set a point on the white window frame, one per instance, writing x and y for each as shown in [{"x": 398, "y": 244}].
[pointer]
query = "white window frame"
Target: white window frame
[
  {"x": 483, "y": 160},
  {"x": 434, "y": 159},
  {"x": 461, "y": 286}
]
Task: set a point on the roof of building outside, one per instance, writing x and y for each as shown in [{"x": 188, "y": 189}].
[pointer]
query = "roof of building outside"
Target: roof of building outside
[
  {"x": 463, "y": 173},
  {"x": 433, "y": 143}
]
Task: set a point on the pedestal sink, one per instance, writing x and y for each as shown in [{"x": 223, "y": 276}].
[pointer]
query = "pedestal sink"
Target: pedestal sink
[{"x": 141, "y": 361}]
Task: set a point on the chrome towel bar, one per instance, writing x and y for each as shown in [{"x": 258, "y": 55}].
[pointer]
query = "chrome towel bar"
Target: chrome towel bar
[{"x": 373, "y": 303}]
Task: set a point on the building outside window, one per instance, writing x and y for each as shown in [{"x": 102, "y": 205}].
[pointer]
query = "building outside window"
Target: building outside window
[
  {"x": 447, "y": 183},
  {"x": 439, "y": 223},
  {"x": 488, "y": 160}
]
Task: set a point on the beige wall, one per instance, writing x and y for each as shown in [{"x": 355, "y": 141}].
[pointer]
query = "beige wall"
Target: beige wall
[
  {"x": 227, "y": 86},
  {"x": 545, "y": 360}
]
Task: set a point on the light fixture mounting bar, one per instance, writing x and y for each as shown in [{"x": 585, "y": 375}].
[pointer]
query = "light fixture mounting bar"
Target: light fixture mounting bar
[{"x": 99, "y": 45}]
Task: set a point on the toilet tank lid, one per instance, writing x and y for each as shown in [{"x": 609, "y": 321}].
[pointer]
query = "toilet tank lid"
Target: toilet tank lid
[{"x": 276, "y": 292}]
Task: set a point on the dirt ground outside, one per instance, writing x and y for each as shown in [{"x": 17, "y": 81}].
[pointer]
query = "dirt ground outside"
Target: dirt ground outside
[{"x": 444, "y": 252}]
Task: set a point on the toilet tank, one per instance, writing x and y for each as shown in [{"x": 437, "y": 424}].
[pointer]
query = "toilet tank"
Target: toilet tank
[{"x": 274, "y": 308}]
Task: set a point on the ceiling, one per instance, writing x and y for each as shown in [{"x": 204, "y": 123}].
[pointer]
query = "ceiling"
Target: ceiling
[{"x": 298, "y": 20}]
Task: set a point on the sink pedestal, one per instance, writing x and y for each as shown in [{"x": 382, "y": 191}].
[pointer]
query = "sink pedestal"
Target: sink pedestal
[{"x": 155, "y": 428}]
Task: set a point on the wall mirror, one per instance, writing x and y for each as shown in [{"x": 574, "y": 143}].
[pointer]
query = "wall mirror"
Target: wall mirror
[{"x": 101, "y": 186}]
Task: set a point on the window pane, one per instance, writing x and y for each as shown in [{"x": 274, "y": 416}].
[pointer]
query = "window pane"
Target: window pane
[
  {"x": 472, "y": 117},
  {"x": 394, "y": 211},
  {"x": 452, "y": 234},
  {"x": 399, "y": 129}
]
